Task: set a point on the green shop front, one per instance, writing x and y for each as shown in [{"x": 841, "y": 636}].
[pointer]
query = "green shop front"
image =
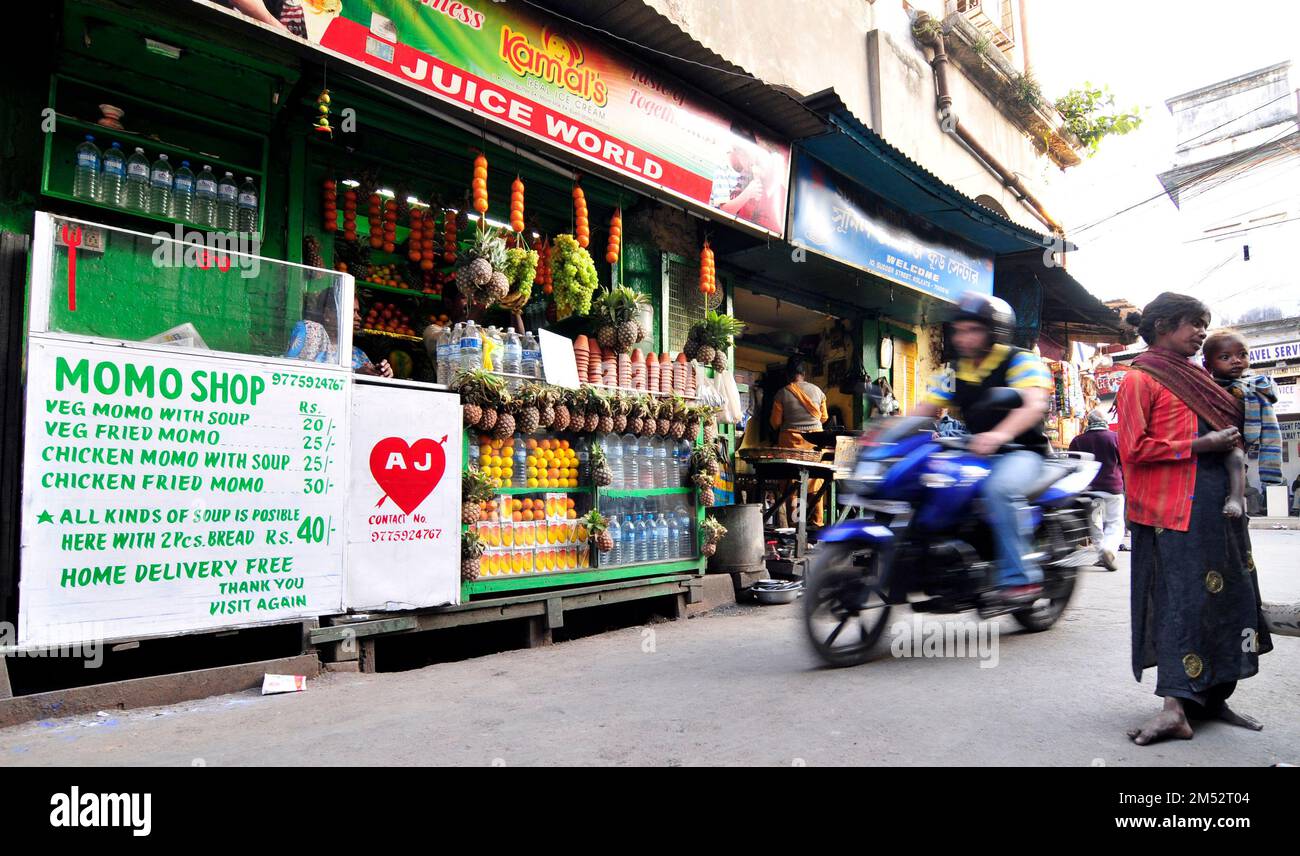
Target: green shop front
[{"x": 201, "y": 451}]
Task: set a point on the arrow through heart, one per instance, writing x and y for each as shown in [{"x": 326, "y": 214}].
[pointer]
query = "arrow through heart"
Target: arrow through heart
[{"x": 407, "y": 472}]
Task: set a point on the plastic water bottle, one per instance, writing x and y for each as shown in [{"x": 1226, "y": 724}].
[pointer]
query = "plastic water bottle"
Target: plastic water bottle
[
  {"x": 112, "y": 180},
  {"x": 469, "y": 350},
  {"x": 630, "y": 479},
  {"x": 682, "y": 458},
  {"x": 613, "y": 447},
  {"x": 442, "y": 351},
  {"x": 610, "y": 559},
  {"x": 531, "y": 361},
  {"x": 227, "y": 201},
  {"x": 627, "y": 552},
  {"x": 246, "y": 203},
  {"x": 512, "y": 362},
  {"x": 685, "y": 533},
  {"x": 661, "y": 461},
  {"x": 642, "y": 539},
  {"x": 663, "y": 538},
  {"x": 520, "y": 476},
  {"x": 674, "y": 537},
  {"x": 205, "y": 198},
  {"x": 85, "y": 181},
  {"x": 183, "y": 193},
  {"x": 137, "y": 181},
  {"x": 160, "y": 188}
]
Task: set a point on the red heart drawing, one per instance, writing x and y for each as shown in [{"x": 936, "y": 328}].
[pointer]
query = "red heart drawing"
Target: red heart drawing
[{"x": 407, "y": 472}]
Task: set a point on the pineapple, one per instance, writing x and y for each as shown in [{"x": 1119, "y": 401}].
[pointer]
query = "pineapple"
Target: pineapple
[
  {"x": 480, "y": 272},
  {"x": 480, "y": 391},
  {"x": 706, "y": 497},
  {"x": 604, "y": 412},
  {"x": 677, "y": 415},
  {"x": 471, "y": 552},
  {"x": 709, "y": 549},
  {"x": 476, "y": 488},
  {"x": 601, "y": 474},
  {"x": 622, "y": 406},
  {"x": 592, "y": 422},
  {"x": 712, "y": 337},
  {"x": 530, "y": 397},
  {"x": 599, "y": 528},
  {"x": 562, "y": 418},
  {"x": 498, "y": 286},
  {"x": 710, "y": 430},
  {"x": 478, "y": 266},
  {"x": 505, "y": 427},
  {"x": 619, "y": 310},
  {"x": 664, "y": 422}
]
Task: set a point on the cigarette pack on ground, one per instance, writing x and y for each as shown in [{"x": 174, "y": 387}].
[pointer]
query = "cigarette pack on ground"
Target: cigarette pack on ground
[{"x": 272, "y": 684}]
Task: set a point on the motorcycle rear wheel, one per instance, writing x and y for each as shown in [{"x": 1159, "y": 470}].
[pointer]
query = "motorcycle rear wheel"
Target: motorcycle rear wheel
[
  {"x": 844, "y": 610},
  {"x": 1044, "y": 612}
]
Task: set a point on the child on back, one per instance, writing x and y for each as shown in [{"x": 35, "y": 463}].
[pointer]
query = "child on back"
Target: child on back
[{"x": 1224, "y": 355}]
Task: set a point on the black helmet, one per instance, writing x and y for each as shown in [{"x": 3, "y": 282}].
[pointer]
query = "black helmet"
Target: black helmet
[{"x": 993, "y": 312}]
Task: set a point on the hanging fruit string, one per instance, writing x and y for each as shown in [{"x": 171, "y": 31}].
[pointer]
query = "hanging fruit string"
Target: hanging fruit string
[
  {"x": 322, "y": 124},
  {"x": 449, "y": 236},
  {"x": 350, "y": 215},
  {"x": 708, "y": 274},
  {"x": 330, "y": 205},
  {"x": 581, "y": 226},
  {"x": 479, "y": 185},
  {"x": 517, "y": 206},
  {"x": 615, "y": 245}
]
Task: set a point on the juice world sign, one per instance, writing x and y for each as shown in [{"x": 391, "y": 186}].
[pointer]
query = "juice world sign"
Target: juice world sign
[{"x": 509, "y": 64}]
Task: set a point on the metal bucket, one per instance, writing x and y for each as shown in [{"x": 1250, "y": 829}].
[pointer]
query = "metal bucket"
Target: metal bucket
[{"x": 741, "y": 549}]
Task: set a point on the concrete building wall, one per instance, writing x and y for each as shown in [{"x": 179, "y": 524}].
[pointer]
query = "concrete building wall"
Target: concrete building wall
[{"x": 866, "y": 52}]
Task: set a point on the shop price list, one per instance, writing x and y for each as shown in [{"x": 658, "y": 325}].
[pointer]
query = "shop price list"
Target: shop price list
[{"x": 213, "y": 485}]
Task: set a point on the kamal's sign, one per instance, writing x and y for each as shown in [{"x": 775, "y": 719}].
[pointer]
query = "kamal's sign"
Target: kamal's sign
[{"x": 522, "y": 69}]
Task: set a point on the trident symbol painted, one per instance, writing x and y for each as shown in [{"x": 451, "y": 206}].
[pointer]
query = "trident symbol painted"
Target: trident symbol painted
[{"x": 72, "y": 237}]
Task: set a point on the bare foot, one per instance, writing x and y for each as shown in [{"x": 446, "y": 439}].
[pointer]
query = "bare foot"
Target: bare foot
[
  {"x": 1231, "y": 717},
  {"x": 1168, "y": 723},
  {"x": 1233, "y": 507}
]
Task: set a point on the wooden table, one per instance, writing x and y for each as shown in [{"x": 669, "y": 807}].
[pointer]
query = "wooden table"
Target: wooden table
[{"x": 796, "y": 474}]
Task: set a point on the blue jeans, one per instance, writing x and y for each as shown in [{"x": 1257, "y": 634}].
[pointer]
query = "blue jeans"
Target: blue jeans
[{"x": 1003, "y": 493}]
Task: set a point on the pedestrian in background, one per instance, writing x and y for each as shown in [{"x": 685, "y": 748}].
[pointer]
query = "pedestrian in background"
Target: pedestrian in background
[{"x": 1108, "y": 513}]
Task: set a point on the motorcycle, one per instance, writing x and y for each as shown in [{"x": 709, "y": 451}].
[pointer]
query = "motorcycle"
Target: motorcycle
[{"x": 920, "y": 532}]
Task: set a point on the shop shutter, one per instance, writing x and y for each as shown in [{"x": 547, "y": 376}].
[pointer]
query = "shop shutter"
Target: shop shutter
[
  {"x": 906, "y": 361},
  {"x": 685, "y": 303}
]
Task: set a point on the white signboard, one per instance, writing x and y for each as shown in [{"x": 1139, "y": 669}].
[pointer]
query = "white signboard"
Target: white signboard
[
  {"x": 178, "y": 493},
  {"x": 558, "y": 359},
  {"x": 1276, "y": 351},
  {"x": 1287, "y": 400},
  {"x": 404, "y": 499}
]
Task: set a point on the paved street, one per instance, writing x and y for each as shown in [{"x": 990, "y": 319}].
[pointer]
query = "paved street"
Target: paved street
[{"x": 734, "y": 687}]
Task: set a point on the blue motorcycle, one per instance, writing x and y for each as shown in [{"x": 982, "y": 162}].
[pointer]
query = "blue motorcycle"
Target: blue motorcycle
[{"x": 920, "y": 539}]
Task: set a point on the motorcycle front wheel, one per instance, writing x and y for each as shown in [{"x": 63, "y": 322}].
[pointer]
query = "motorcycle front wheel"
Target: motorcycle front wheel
[
  {"x": 844, "y": 610},
  {"x": 1043, "y": 613}
]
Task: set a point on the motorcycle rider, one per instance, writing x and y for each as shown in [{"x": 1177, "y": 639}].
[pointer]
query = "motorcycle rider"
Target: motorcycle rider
[{"x": 981, "y": 335}]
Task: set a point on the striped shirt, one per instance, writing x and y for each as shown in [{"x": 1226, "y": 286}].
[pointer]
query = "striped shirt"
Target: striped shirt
[
  {"x": 1156, "y": 430},
  {"x": 1025, "y": 372}
]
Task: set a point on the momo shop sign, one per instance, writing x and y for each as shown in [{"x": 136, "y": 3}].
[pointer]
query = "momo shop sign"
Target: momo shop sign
[
  {"x": 520, "y": 69},
  {"x": 849, "y": 225}
]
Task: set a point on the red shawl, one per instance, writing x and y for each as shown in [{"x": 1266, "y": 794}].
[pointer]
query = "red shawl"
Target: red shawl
[{"x": 1194, "y": 386}]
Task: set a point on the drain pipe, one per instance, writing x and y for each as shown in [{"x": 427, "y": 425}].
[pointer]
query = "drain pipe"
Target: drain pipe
[{"x": 932, "y": 37}]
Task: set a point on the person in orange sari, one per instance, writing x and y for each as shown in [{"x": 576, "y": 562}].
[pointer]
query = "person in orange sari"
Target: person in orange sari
[{"x": 799, "y": 406}]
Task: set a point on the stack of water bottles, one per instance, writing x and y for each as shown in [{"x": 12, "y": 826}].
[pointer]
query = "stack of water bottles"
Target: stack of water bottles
[
  {"x": 647, "y": 530},
  {"x": 462, "y": 347},
  {"x": 646, "y": 463},
  {"x": 133, "y": 184}
]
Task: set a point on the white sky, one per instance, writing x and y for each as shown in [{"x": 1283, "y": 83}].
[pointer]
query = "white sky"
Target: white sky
[{"x": 1146, "y": 51}]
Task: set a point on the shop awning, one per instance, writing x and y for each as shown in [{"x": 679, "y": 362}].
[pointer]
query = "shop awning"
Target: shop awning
[
  {"x": 861, "y": 154},
  {"x": 1067, "y": 306}
]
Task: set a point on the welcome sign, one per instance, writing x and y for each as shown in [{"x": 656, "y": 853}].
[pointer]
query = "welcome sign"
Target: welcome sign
[
  {"x": 544, "y": 77},
  {"x": 843, "y": 222}
]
